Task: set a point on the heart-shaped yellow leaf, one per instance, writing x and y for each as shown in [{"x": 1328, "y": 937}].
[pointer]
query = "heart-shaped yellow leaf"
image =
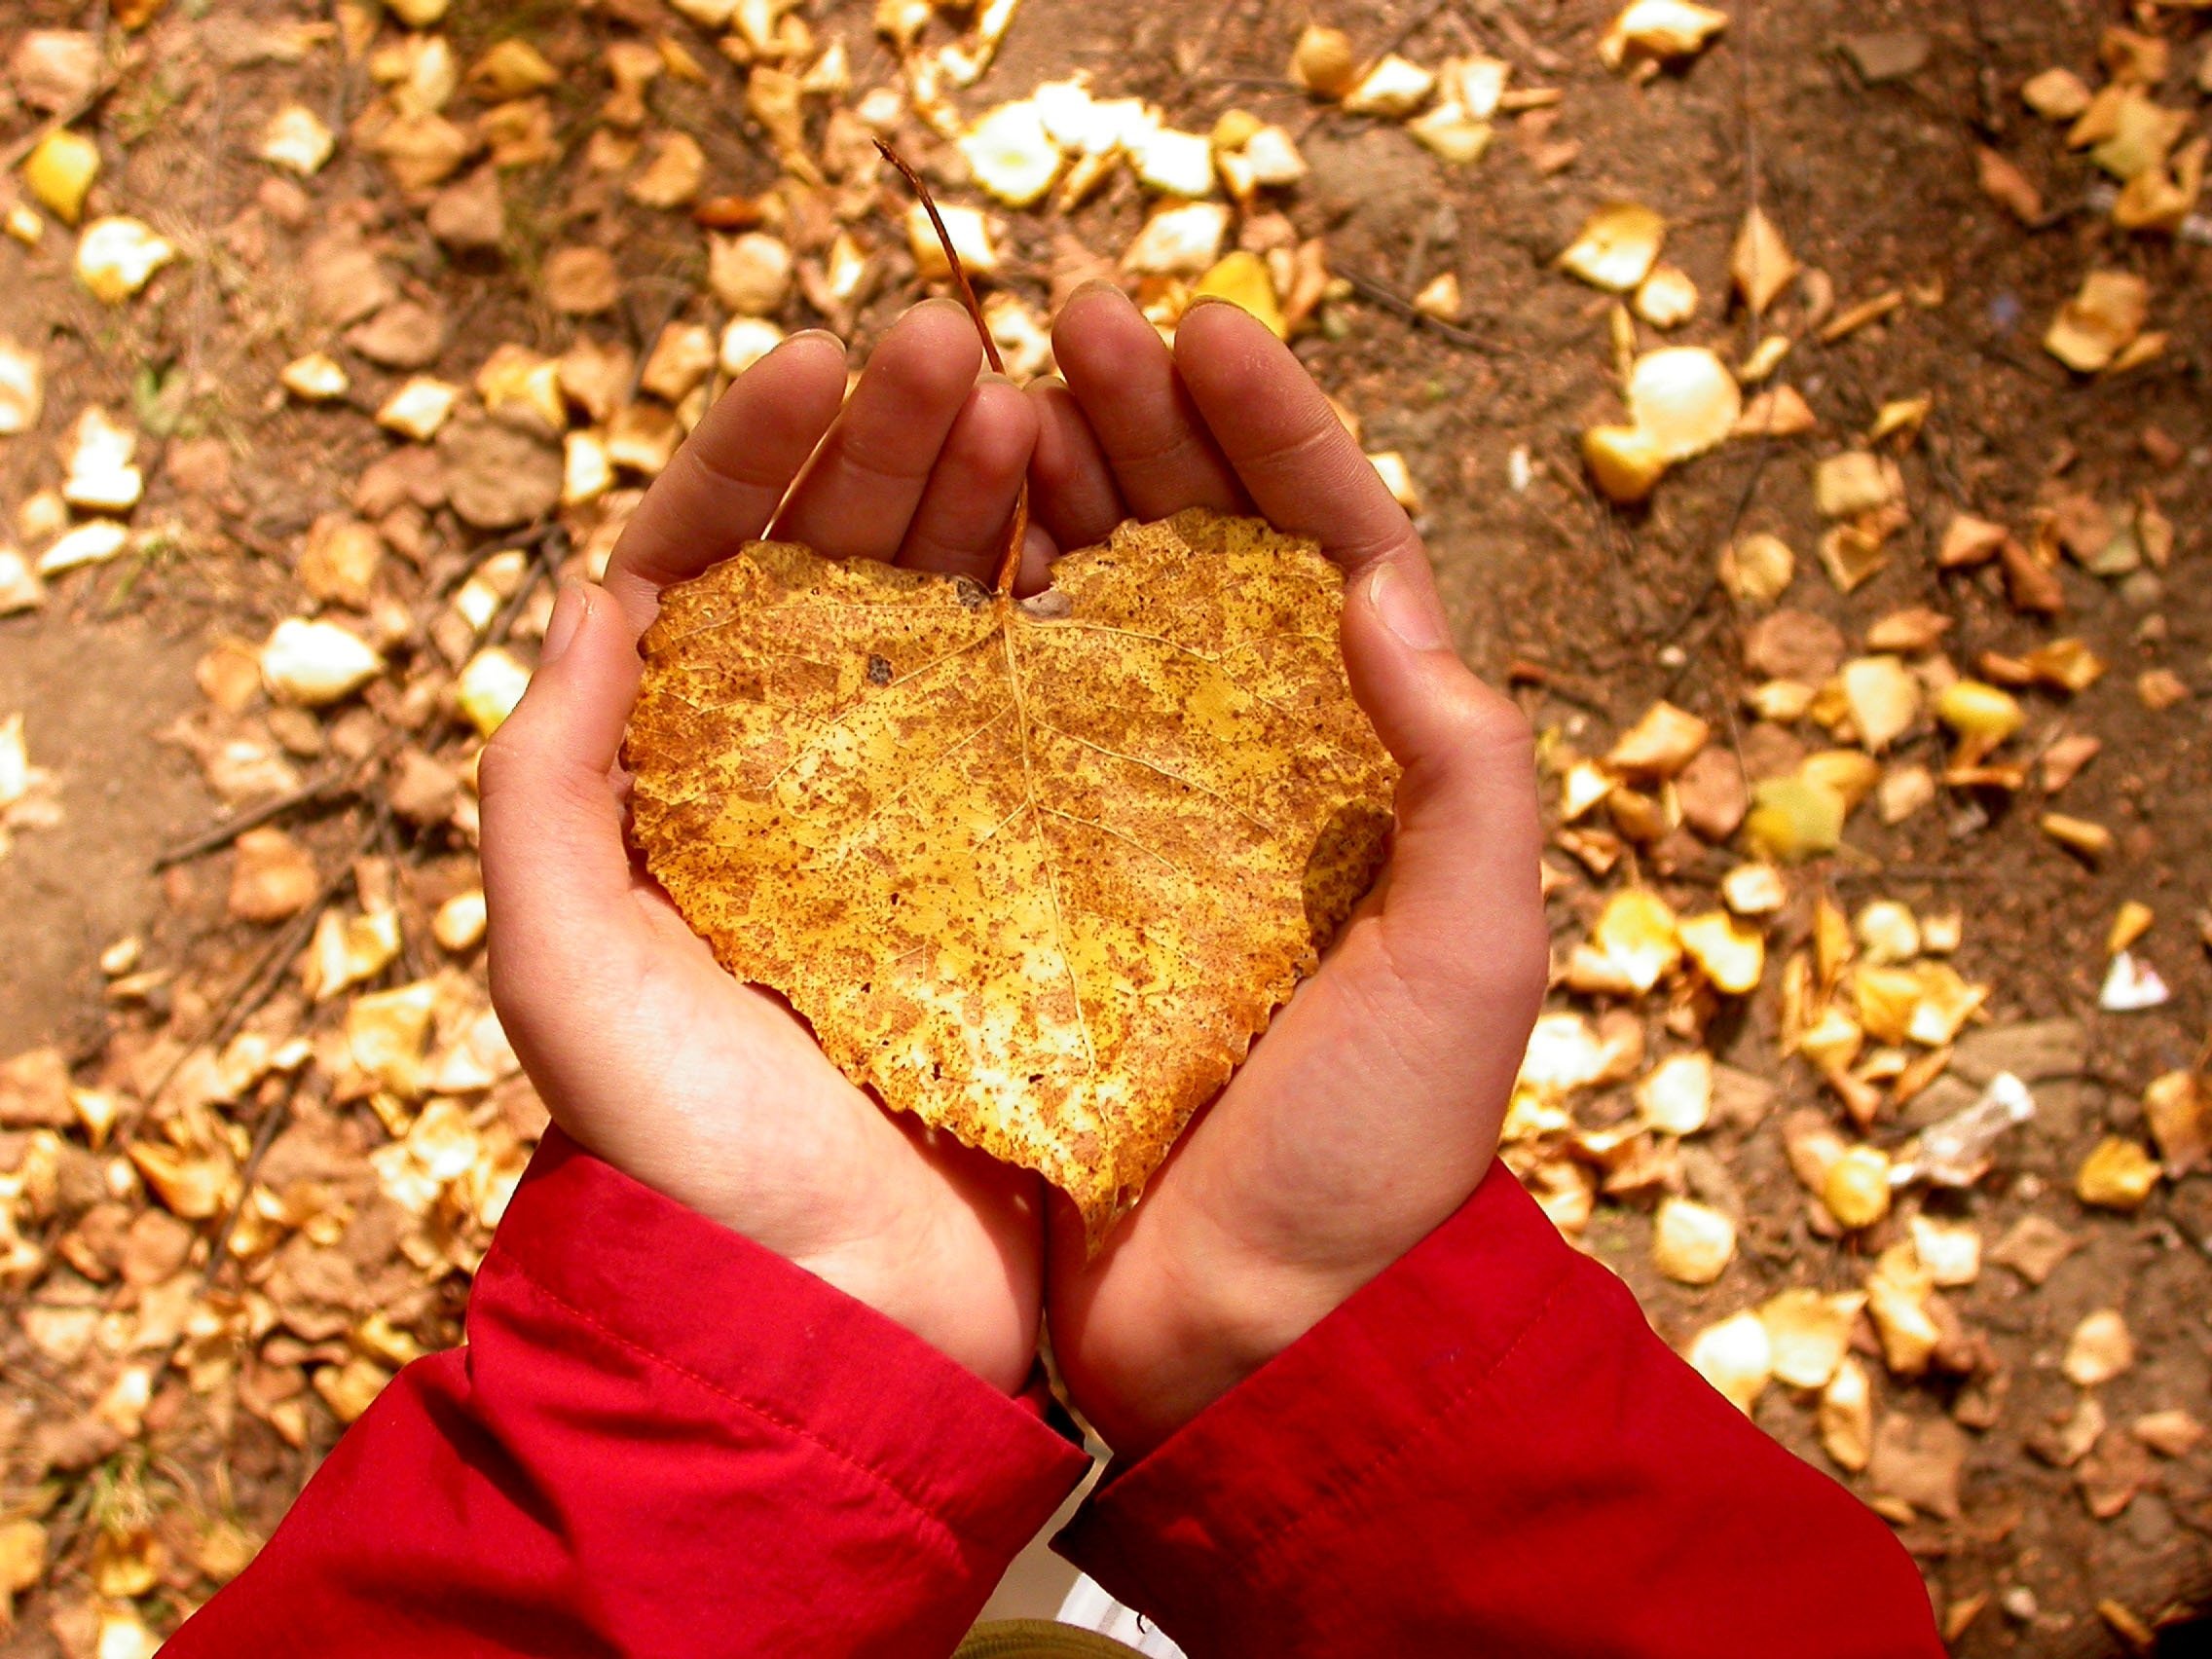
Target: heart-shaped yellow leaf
[{"x": 1037, "y": 871}]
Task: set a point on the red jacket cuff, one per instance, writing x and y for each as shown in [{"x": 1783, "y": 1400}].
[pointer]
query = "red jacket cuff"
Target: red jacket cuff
[
  {"x": 684, "y": 1296},
  {"x": 1340, "y": 1407},
  {"x": 1486, "y": 1449}
]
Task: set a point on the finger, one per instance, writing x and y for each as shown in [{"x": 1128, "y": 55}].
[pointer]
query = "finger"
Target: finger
[
  {"x": 1126, "y": 381},
  {"x": 1038, "y": 551},
  {"x": 557, "y": 876},
  {"x": 857, "y": 498},
  {"x": 960, "y": 526},
  {"x": 1071, "y": 486},
  {"x": 1303, "y": 472},
  {"x": 1463, "y": 906},
  {"x": 724, "y": 484}
]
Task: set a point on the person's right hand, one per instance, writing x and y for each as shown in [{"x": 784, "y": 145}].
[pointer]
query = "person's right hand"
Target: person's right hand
[
  {"x": 643, "y": 1049},
  {"x": 1371, "y": 1108}
]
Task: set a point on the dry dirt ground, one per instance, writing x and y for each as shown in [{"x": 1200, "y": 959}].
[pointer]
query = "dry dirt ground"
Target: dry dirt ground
[{"x": 1590, "y": 612}]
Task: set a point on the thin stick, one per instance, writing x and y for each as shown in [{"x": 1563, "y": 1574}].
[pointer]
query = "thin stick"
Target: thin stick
[
  {"x": 1396, "y": 303},
  {"x": 259, "y": 983},
  {"x": 222, "y": 835},
  {"x": 55, "y": 123},
  {"x": 1018, "y": 528},
  {"x": 272, "y": 1117}
]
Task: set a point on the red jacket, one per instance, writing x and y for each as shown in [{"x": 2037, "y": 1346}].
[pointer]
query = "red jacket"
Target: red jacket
[{"x": 662, "y": 1440}]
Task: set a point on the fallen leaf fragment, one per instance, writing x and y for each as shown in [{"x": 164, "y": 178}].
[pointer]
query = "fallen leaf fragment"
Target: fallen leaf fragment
[
  {"x": 60, "y": 172},
  {"x": 1626, "y": 462},
  {"x": 2117, "y": 1174},
  {"x": 2106, "y": 316},
  {"x": 316, "y": 663},
  {"x": 1760, "y": 265},
  {"x": 93, "y": 543},
  {"x": 418, "y": 407},
  {"x": 2056, "y": 95},
  {"x": 1175, "y": 242},
  {"x": 2177, "y": 1108},
  {"x": 118, "y": 257},
  {"x": 1758, "y": 569},
  {"x": 1660, "y": 744},
  {"x": 1846, "y": 1416},
  {"x": 1736, "y": 1358},
  {"x": 1010, "y": 154},
  {"x": 2131, "y": 985},
  {"x": 1857, "y": 1190},
  {"x": 316, "y": 378},
  {"x": 490, "y": 686},
  {"x": 1677, "y": 1097},
  {"x": 1691, "y": 1242},
  {"x": 296, "y": 140},
  {"x": 272, "y": 878},
  {"x": 1241, "y": 279},
  {"x": 1393, "y": 86},
  {"x": 1658, "y": 31},
  {"x": 1687, "y": 400},
  {"x": 1323, "y": 61},
  {"x": 2085, "y": 837},
  {"x": 1616, "y": 246},
  {"x": 1076, "y": 841},
  {"x": 1729, "y": 951},
  {"x": 2099, "y": 1350},
  {"x": 2170, "y": 1433}
]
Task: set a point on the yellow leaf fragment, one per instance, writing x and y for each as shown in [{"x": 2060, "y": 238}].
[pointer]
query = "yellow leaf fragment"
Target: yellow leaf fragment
[
  {"x": 2099, "y": 322},
  {"x": 1323, "y": 61},
  {"x": 1857, "y": 1190},
  {"x": 2099, "y": 1350},
  {"x": 1731, "y": 952},
  {"x": 1616, "y": 246},
  {"x": 1038, "y": 871},
  {"x": 118, "y": 257},
  {"x": 1241, "y": 279},
  {"x": 1685, "y": 398},
  {"x": 1660, "y": 744},
  {"x": 1010, "y": 154},
  {"x": 1736, "y": 1358},
  {"x": 1761, "y": 264},
  {"x": 1658, "y": 31},
  {"x": 1691, "y": 1242},
  {"x": 1626, "y": 461},
  {"x": 1847, "y": 1416},
  {"x": 1635, "y": 935},
  {"x": 2117, "y": 1174},
  {"x": 1677, "y": 1097},
  {"x": 1809, "y": 1334},
  {"x": 60, "y": 172}
]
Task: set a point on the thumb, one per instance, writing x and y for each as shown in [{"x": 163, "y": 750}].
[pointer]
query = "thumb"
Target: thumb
[
  {"x": 1463, "y": 901},
  {"x": 556, "y": 872}
]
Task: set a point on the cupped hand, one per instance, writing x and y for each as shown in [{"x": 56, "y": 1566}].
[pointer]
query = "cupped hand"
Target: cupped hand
[
  {"x": 644, "y": 1050},
  {"x": 1371, "y": 1108}
]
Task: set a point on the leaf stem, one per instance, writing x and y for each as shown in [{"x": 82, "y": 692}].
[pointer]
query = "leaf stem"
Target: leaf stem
[{"x": 1017, "y": 526}]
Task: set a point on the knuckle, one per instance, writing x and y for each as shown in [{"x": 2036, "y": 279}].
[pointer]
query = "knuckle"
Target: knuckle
[{"x": 503, "y": 765}]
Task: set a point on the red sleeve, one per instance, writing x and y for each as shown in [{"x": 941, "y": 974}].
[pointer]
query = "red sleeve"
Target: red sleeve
[
  {"x": 660, "y": 1439},
  {"x": 1488, "y": 1451}
]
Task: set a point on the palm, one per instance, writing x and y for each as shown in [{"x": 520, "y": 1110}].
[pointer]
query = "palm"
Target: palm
[
  {"x": 643, "y": 1049},
  {"x": 1372, "y": 1105}
]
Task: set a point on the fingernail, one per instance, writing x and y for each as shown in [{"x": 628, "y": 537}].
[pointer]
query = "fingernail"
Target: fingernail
[
  {"x": 1414, "y": 616},
  {"x": 560, "y": 627},
  {"x": 1096, "y": 285},
  {"x": 810, "y": 334}
]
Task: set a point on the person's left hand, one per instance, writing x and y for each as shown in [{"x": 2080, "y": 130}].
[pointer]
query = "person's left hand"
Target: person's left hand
[{"x": 644, "y": 1050}]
